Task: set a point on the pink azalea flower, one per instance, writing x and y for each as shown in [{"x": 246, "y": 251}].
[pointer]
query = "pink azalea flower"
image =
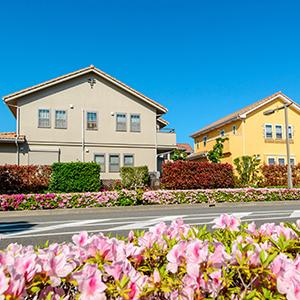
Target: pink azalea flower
[
  {"x": 81, "y": 239},
  {"x": 176, "y": 256},
  {"x": 3, "y": 281},
  {"x": 227, "y": 222}
]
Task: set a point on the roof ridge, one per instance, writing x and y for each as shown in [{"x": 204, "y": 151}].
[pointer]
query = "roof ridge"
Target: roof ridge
[{"x": 238, "y": 113}]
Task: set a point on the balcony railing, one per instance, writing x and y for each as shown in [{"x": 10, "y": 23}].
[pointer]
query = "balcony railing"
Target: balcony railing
[{"x": 166, "y": 130}]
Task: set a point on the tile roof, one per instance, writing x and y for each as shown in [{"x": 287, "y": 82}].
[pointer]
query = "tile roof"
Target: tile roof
[
  {"x": 10, "y": 136},
  {"x": 91, "y": 68},
  {"x": 237, "y": 114},
  {"x": 186, "y": 147}
]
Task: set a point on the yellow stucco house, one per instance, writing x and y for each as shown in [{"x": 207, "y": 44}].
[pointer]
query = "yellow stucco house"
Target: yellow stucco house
[{"x": 250, "y": 132}]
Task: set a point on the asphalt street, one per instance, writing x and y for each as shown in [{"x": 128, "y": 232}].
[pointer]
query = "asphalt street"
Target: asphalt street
[{"x": 36, "y": 227}]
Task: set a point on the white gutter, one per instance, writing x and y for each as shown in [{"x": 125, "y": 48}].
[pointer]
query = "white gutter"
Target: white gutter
[{"x": 83, "y": 137}]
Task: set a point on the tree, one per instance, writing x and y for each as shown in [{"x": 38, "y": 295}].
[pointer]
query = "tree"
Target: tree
[
  {"x": 247, "y": 168},
  {"x": 178, "y": 155},
  {"x": 216, "y": 153}
]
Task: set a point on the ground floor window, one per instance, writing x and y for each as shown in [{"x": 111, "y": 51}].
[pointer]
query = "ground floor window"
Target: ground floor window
[
  {"x": 271, "y": 161},
  {"x": 128, "y": 160},
  {"x": 114, "y": 163},
  {"x": 281, "y": 161},
  {"x": 100, "y": 159}
]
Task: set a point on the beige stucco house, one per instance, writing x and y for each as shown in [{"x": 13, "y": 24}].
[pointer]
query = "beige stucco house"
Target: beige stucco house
[{"x": 86, "y": 115}]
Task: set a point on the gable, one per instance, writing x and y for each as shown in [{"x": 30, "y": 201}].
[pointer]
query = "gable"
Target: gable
[{"x": 86, "y": 71}]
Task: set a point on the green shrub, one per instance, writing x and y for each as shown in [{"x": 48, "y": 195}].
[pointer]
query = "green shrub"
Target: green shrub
[
  {"x": 75, "y": 177},
  {"x": 134, "y": 177}
]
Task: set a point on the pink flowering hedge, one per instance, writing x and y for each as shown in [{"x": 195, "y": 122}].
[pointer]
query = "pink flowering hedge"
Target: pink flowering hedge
[
  {"x": 167, "y": 262},
  {"x": 129, "y": 197}
]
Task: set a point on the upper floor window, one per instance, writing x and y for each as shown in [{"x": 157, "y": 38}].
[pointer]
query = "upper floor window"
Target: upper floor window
[
  {"x": 121, "y": 120},
  {"x": 278, "y": 130},
  {"x": 197, "y": 145},
  {"x": 271, "y": 161},
  {"x": 135, "y": 123},
  {"x": 91, "y": 120},
  {"x": 234, "y": 129},
  {"x": 44, "y": 118},
  {"x": 204, "y": 141},
  {"x": 114, "y": 163},
  {"x": 128, "y": 160},
  {"x": 268, "y": 131},
  {"x": 100, "y": 159},
  {"x": 222, "y": 132},
  {"x": 290, "y": 131},
  {"x": 60, "y": 119}
]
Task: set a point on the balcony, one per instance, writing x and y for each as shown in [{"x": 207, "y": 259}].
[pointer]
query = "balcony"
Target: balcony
[{"x": 166, "y": 138}]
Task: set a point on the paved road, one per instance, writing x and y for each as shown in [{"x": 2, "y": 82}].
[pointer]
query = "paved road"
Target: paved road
[{"x": 57, "y": 226}]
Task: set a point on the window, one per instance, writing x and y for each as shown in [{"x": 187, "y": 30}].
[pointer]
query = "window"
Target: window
[
  {"x": 44, "y": 118},
  {"x": 204, "y": 141},
  {"x": 121, "y": 122},
  {"x": 271, "y": 161},
  {"x": 197, "y": 145},
  {"x": 268, "y": 131},
  {"x": 60, "y": 119},
  {"x": 135, "y": 123},
  {"x": 100, "y": 159},
  {"x": 281, "y": 161},
  {"x": 292, "y": 161},
  {"x": 222, "y": 132},
  {"x": 114, "y": 163},
  {"x": 278, "y": 130},
  {"x": 290, "y": 131},
  {"x": 234, "y": 129},
  {"x": 91, "y": 120},
  {"x": 128, "y": 160}
]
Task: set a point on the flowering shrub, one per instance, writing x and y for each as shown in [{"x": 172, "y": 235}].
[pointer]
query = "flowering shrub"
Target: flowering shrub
[
  {"x": 127, "y": 198},
  {"x": 196, "y": 175},
  {"x": 168, "y": 262},
  {"x": 276, "y": 175},
  {"x": 24, "y": 179}
]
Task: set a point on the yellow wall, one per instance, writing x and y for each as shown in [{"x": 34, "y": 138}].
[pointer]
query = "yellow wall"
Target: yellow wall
[{"x": 250, "y": 138}]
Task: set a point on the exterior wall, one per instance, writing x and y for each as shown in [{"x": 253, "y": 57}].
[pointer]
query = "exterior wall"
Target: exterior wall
[
  {"x": 8, "y": 154},
  {"x": 250, "y": 136},
  {"x": 254, "y": 133},
  {"x": 48, "y": 145}
]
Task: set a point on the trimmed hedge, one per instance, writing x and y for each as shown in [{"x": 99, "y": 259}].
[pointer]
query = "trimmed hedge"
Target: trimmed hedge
[
  {"x": 75, "y": 177},
  {"x": 134, "y": 177},
  {"x": 24, "y": 179},
  {"x": 276, "y": 175},
  {"x": 128, "y": 198},
  {"x": 196, "y": 175}
]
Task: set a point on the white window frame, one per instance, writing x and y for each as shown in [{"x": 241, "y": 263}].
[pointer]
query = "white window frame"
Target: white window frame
[
  {"x": 102, "y": 170},
  {"x": 128, "y": 154},
  {"x": 135, "y": 114},
  {"x": 293, "y": 158},
  {"x": 234, "y": 130},
  {"x": 121, "y": 130},
  {"x": 39, "y": 126},
  {"x": 109, "y": 164},
  {"x": 222, "y": 132},
  {"x": 205, "y": 141},
  {"x": 265, "y": 131},
  {"x": 87, "y": 121},
  {"x": 292, "y": 132},
  {"x": 284, "y": 161},
  {"x": 278, "y": 138},
  {"x": 271, "y": 157},
  {"x": 55, "y": 125}
]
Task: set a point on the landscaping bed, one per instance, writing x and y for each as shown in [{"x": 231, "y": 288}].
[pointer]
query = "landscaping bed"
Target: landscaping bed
[
  {"x": 140, "y": 197},
  {"x": 167, "y": 262}
]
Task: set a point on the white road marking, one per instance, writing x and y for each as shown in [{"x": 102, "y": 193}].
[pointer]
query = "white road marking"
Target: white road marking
[
  {"x": 54, "y": 227},
  {"x": 295, "y": 214},
  {"x": 143, "y": 224},
  {"x": 241, "y": 214}
]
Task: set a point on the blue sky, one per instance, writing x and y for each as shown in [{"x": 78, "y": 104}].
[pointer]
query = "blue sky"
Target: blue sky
[{"x": 201, "y": 59}]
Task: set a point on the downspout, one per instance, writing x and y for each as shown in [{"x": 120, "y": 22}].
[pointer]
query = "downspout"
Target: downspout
[
  {"x": 243, "y": 117},
  {"x": 156, "y": 156},
  {"x": 82, "y": 137},
  {"x": 17, "y": 135}
]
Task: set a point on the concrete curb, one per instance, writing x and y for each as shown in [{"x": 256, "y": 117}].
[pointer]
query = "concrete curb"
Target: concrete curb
[{"x": 76, "y": 211}]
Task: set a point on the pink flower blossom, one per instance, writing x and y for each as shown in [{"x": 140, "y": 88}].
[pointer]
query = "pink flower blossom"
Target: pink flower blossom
[{"x": 227, "y": 222}]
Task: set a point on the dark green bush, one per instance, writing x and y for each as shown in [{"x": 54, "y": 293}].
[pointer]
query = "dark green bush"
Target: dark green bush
[
  {"x": 134, "y": 177},
  {"x": 75, "y": 177}
]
